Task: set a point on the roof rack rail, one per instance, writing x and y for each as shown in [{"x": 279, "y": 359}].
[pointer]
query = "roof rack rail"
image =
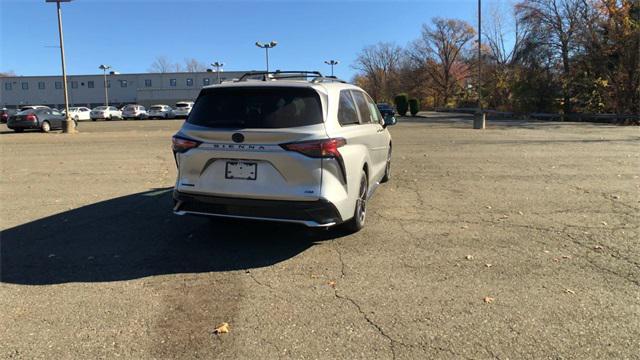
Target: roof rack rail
[
  {"x": 320, "y": 79},
  {"x": 269, "y": 75}
]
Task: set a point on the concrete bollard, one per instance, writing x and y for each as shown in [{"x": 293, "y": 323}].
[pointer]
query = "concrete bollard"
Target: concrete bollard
[{"x": 479, "y": 120}]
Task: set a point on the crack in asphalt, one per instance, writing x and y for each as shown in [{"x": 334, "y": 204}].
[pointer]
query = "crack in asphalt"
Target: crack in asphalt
[{"x": 392, "y": 342}]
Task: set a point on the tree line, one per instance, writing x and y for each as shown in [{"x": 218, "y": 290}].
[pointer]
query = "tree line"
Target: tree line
[{"x": 561, "y": 56}]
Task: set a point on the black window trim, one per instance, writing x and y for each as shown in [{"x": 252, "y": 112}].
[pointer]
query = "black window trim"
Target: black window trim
[{"x": 348, "y": 91}]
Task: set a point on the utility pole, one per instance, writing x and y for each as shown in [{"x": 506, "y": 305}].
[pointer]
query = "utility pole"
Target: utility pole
[
  {"x": 68, "y": 125},
  {"x": 266, "y": 47},
  {"x": 106, "y": 92},
  {"x": 479, "y": 122},
  {"x": 217, "y": 65},
  {"x": 332, "y": 63}
]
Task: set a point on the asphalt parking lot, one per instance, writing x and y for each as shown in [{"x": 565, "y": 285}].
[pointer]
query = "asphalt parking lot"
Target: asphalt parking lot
[{"x": 520, "y": 241}]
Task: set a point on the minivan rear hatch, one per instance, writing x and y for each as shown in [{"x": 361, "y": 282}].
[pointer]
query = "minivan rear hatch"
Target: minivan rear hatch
[{"x": 240, "y": 131}]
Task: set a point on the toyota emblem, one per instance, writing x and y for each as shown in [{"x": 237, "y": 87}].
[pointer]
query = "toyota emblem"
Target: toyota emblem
[{"x": 237, "y": 138}]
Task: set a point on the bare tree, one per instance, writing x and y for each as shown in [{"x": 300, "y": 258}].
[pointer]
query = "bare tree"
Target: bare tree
[
  {"x": 439, "y": 51},
  {"x": 379, "y": 64},
  {"x": 554, "y": 24},
  {"x": 193, "y": 65},
  {"x": 161, "y": 65}
]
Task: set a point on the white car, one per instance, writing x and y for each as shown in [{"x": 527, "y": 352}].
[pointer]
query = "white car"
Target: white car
[
  {"x": 160, "y": 112},
  {"x": 105, "y": 112},
  {"x": 308, "y": 152},
  {"x": 134, "y": 111},
  {"x": 79, "y": 113},
  {"x": 182, "y": 109}
]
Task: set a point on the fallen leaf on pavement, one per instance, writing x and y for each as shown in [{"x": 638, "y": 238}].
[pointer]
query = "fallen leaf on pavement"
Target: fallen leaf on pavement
[
  {"x": 332, "y": 283},
  {"x": 520, "y": 213},
  {"x": 469, "y": 257},
  {"x": 604, "y": 223},
  {"x": 488, "y": 265},
  {"x": 489, "y": 300},
  {"x": 569, "y": 291},
  {"x": 598, "y": 247},
  {"x": 221, "y": 328},
  {"x": 566, "y": 256}
]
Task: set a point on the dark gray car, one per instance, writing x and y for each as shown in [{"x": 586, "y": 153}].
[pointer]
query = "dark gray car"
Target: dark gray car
[{"x": 43, "y": 119}]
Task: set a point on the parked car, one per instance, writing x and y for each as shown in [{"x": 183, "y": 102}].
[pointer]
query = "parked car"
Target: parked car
[
  {"x": 271, "y": 151},
  {"x": 5, "y": 114},
  {"x": 79, "y": 113},
  {"x": 182, "y": 109},
  {"x": 134, "y": 111},
  {"x": 386, "y": 109},
  {"x": 106, "y": 113},
  {"x": 160, "y": 112},
  {"x": 43, "y": 119}
]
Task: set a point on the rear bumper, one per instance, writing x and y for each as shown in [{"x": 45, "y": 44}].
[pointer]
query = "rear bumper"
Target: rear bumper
[
  {"x": 23, "y": 125},
  {"x": 319, "y": 213}
]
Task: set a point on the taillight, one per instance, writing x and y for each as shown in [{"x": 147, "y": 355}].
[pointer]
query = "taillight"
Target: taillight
[
  {"x": 30, "y": 117},
  {"x": 181, "y": 145},
  {"x": 327, "y": 148},
  {"x": 4, "y": 116}
]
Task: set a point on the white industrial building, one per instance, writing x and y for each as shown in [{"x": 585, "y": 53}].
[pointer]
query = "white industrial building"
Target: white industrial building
[{"x": 88, "y": 90}]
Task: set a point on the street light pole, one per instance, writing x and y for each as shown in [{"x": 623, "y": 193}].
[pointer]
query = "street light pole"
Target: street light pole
[
  {"x": 332, "y": 63},
  {"x": 479, "y": 121},
  {"x": 68, "y": 125},
  {"x": 217, "y": 65},
  {"x": 106, "y": 92},
  {"x": 266, "y": 47}
]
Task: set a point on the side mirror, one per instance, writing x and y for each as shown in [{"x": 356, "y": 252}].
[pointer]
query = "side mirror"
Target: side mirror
[{"x": 389, "y": 120}]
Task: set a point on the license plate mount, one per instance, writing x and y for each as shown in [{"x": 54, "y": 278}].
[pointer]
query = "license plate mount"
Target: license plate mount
[{"x": 241, "y": 170}]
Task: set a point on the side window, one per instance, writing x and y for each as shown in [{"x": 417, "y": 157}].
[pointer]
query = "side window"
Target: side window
[
  {"x": 373, "y": 109},
  {"x": 347, "y": 113},
  {"x": 363, "y": 107}
]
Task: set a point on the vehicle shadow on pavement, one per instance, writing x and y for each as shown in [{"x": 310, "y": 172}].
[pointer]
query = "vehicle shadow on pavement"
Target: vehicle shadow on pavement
[{"x": 137, "y": 236}]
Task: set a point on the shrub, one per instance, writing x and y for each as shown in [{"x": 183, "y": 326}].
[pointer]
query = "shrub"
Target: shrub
[
  {"x": 414, "y": 106},
  {"x": 402, "y": 104}
]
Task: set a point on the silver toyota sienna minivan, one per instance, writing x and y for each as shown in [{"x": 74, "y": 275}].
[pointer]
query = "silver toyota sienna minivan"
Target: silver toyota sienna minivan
[{"x": 303, "y": 149}]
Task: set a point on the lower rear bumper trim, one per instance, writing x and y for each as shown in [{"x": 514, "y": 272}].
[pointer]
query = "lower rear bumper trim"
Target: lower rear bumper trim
[{"x": 319, "y": 213}]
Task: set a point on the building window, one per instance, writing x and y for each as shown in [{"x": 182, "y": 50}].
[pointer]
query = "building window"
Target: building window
[
  {"x": 123, "y": 83},
  {"x": 58, "y": 84},
  {"x": 7, "y": 86},
  {"x": 172, "y": 82},
  {"x": 90, "y": 84},
  {"x": 147, "y": 83},
  {"x": 206, "y": 81},
  {"x": 74, "y": 84},
  {"x": 41, "y": 85},
  {"x": 25, "y": 86},
  {"x": 189, "y": 82}
]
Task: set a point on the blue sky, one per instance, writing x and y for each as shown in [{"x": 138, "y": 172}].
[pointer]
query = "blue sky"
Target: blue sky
[{"x": 129, "y": 35}]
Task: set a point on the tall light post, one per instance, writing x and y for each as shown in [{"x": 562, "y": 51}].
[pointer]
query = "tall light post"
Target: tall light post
[
  {"x": 68, "y": 125},
  {"x": 332, "y": 63},
  {"x": 104, "y": 69},
  {"x": 479, "y": 121},
  {"x": 266, "y": 47},
  {"x": 217, "y": 65}
]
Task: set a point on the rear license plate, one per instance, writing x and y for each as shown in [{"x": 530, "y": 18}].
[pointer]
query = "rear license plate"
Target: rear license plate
[{"x": 241, "y": 170}]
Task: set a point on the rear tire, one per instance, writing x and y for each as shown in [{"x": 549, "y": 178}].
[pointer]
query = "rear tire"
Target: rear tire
[
  {"x": 45, "y": 127},
  {"x": 360, "y": 212}
]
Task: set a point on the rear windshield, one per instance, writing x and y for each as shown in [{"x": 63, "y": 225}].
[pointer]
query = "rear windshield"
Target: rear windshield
[
  {"x": 182, "y": 105},
  {"x": 156, "y": 108},
  {"x": 259, "y": 107},
  {"x": 101, "y": 108}
]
